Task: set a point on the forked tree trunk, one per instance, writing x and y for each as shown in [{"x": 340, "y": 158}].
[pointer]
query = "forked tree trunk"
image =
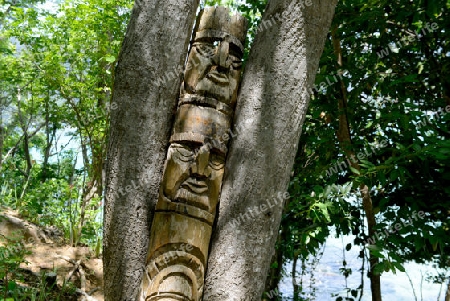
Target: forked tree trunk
[
  {"x": 141, "y": 118},
  {"x": 271, "y": 107}
]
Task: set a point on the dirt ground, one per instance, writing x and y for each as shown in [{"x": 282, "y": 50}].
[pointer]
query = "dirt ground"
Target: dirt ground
[
  {"x": 51, "y": 257},
  {"x": 47, "y": 255}
]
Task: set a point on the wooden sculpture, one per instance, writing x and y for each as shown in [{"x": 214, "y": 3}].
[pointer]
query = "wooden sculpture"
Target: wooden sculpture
[{"x": 190, "y": 188}]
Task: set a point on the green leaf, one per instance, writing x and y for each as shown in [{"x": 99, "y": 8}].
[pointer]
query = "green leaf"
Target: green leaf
[
  {"x": 375, "y": 251},
  {"x": 354, "y": 170},
  {"x": 348, "y": 247},
  {"x": 394, "y": 175},
  {"x": 12, "y": 285},
  {"x": 366, "y": 164},
  {"x": 347, "y": 188},
  {"x": 381, "y": 178},
  {"x": 110, "y": 59},
  {"x": 432, "y": 9}
]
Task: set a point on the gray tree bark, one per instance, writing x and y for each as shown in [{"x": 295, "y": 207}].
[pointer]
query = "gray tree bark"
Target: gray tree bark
[
  {"x": 144, "y": 98},
  {"x": 272, "y": 104}
]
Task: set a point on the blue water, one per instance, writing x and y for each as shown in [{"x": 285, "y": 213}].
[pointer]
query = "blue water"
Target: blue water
[{"x": 327, "y": 279}]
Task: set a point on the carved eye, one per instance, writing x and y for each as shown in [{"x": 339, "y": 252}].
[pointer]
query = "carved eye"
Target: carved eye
[
  {"x": 205, "y": 49},
  {"x": 235, "y": 62},
  {"x": 183, "y": 152},
  {"x": 216, "y": 161}
]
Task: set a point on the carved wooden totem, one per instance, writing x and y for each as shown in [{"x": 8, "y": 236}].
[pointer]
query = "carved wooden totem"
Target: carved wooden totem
[{"x": 190, "y": 188}]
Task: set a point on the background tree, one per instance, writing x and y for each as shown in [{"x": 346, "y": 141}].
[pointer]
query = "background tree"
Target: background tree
[
  {"x": 392, "y": 84},
  {"x": 56, "y": 71}
]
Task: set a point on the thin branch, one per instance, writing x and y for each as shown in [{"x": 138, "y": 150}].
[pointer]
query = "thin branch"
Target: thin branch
[
  {"x": 412, "y": 285},
  {"x": 13, "y": 149}
]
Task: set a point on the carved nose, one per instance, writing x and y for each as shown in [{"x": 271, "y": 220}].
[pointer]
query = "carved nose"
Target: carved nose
[
  {"x": 201, "y": 165},
  {"x": 220, "y": 58}
]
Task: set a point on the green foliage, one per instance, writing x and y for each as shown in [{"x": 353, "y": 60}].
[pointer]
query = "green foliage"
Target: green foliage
[
  {"x": 57, "y": 73},
  {"x": 395, "y": 74},
  {"x": 56, "y": 70},
  {"x": 311, "y": 213},
  {"x": 12, "y": 253}
]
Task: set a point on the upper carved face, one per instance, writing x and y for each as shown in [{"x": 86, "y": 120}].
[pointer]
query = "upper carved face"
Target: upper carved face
[
  {"x": 214, "y": 68},
  {"x": 193, "y": 175}
]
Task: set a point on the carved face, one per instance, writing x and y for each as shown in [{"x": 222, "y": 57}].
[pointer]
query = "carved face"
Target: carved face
[
  {"x": 213, "y": 70},
  {"x": 193, "y": 175}
]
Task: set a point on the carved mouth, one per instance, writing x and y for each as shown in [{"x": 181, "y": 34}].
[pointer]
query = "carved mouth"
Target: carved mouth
[
  {"x": 196, "y": 186},
  {"x": 217, "y": 77}
]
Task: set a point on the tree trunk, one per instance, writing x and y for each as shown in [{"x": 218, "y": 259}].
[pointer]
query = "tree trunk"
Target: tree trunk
[
  {"x": 89, "y": 192},
  {"x": 447, "y": 294},
  {"x": 49, "y": 142},
  {"x": 345, "y": 142},
  {"x": 275, "y": 273},
  {"x": 1, "y": 142},
  {"x": 26, "y": 150},
  {"x": 294, "y": 278},
  {"x": 141, "y": 118},
  {"x": 271, "y": 107}
]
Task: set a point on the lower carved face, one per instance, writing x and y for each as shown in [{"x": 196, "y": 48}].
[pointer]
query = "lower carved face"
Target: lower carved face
[
  {"x": 214, "y": 68},
  {"x": 193, "y": 175}
]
